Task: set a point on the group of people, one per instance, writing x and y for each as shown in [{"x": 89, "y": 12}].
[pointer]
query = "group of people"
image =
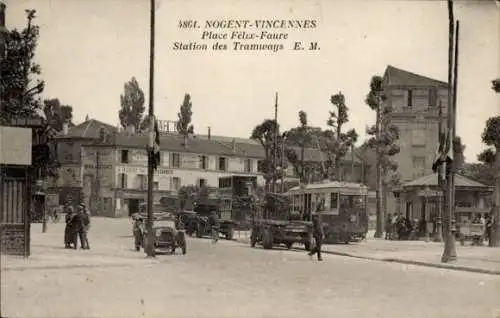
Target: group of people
[
  {"x": 77, "y": 226},
  {"x": 399, "y": 227}
]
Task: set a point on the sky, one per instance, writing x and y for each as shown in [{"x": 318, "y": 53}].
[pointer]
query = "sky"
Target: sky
[{"x": 88, "y": 49}]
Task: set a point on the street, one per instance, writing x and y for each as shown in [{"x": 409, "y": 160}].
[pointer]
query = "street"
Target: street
[{"x": 228, "y": 279}]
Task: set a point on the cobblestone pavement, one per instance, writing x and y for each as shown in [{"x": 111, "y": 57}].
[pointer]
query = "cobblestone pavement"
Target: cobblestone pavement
[{"x": 227, "y": 280}]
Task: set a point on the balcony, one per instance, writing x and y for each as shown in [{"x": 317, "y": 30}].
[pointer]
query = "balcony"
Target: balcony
[
  {"x": 417, "y": 111},
  {"x": 466, "y": 210}
]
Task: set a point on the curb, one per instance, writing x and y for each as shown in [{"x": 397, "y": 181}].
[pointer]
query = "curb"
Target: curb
[
  {"x": 419, "y": 263},
  {"x": 411, "y": 262}
]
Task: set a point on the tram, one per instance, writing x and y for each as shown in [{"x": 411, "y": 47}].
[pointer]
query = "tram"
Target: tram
[{"x": 342, "y": 207}]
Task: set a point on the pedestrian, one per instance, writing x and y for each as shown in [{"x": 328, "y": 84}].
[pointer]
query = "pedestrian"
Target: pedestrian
[
  {"x": 68, "y": 229},
  {"x": 318, "y": 237},
  {"x": 84, "y": 233},
  {"x": 77, "y": 228},
  {"x": 388, "y": 227},
  {"x": 213, "y": 221}
]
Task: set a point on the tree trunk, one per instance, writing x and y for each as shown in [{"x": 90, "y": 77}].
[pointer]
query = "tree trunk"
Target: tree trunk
[
  {"x": 338, "y": 164},
  {"x": 495, "y": 241},
  {"x": 380, "y": 215}
]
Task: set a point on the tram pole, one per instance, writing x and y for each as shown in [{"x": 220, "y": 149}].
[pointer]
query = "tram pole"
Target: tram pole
[{"x": 150, "y": 242}]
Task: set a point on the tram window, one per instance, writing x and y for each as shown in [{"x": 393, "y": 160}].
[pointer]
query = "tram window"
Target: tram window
[
  {"x": 350, "y": 201},
  {"x": 334, "y": 200}
]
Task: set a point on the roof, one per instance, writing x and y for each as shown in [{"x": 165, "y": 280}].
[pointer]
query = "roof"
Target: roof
[
  {"x": 432, "y": 180},
  {"x": 174, "y": 142},
  {"x": 89, "y": 129},
  {"x": 396, "y": 76}
]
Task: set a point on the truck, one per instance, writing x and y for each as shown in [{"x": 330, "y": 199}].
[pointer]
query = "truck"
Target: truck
[{"x": 276, "y": 225}]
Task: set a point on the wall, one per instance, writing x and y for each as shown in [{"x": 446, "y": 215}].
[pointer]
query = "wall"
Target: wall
[{"x": 418, "y": 126}]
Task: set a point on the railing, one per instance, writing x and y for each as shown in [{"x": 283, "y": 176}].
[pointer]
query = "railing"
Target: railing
[
  {"x": 460, "y": 209},
  {"x": 434, "y": 111}
]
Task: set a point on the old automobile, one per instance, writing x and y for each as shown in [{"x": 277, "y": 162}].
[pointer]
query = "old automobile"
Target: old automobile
[{"x": 168, "y": 234}]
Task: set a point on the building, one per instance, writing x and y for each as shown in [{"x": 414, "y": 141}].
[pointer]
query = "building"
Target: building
[
  {"x": 98, "y": 161},
  {"x": 416, "y": 102}
]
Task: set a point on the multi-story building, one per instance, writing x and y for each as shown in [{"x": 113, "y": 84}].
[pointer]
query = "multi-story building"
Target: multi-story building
[
  {"x": 108, "y": 168},
  {"x": 416, "y": 102}
]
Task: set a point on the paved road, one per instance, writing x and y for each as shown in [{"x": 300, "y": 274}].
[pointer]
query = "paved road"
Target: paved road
[{"x": 230, "y": 279}]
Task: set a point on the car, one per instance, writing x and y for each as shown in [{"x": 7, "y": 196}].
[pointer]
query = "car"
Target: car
[{"x": 168, "y": 235}]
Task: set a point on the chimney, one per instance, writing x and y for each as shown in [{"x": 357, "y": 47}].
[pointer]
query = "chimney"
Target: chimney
[
  {"x": 2, "y": 15},
  {"x": 3, "y": 30},
  {"x": 131, "y": 129},
  {"x": 65, "y": 128},
  {"x": 209, "y": 133}
]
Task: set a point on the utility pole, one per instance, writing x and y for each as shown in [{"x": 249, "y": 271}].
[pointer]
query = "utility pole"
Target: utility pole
[
  {"x": 441, "y": 180},
  {"x": 150, "y": 245},
  {"x": 276, "y": 134},
  {"x": 450, "y": 253}
]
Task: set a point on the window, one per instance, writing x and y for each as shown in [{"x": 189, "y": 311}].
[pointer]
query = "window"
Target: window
[
  {"x": 175, "y": 160},
  {"x": 418, "y": 167},
  {"x": 225, "y": 183},
  {"x": 334, "y": 200},
  {"x": 248, "y": 165},
  {"x": 433, "y": 97},
  {"x": 141, "y": 182},
  {"x": 419, "y": 137},
  {"x": 203, "y": 162},
  {"x": 260, "y": 166},
  {"x": 202, "y": 183},
  {"x": 176, "y": 183},
  {"x": 222, "y": 164},
  {"x": 410, "y": 98},
  {"x": 122, "y": 181},
  {"x": 124, "y": 156},
  {"x": 156, "y": 186}
]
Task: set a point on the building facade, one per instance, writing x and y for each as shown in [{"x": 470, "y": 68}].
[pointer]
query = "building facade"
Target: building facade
[
  {"x": 416, "y": 102},
  {"x": 107, "y": 169}
]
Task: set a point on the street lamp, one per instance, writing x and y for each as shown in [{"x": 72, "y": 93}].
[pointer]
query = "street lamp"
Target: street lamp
[{"x": 427, "y": 192}]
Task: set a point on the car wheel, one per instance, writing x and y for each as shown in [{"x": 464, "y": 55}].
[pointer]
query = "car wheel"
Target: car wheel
[
  {"x": 267, "y": 239},
  {"x": 289, "y": 245},
  {"x": 230, "y": 234}
]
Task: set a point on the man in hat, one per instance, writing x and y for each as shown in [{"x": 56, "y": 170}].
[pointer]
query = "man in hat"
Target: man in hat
[
  {"x": 85, "y": 226},
  {"x": 318, "y": 237},
  {"x": 68, "y": 230}
]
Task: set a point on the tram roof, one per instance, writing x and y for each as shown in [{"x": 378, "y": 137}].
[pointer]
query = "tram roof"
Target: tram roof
[{"x": 329, "y": 185}]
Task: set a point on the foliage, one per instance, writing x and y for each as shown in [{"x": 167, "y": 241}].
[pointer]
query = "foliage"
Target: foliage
[
  {"x": 20, "y": 89},
  {"x": 132, "y": 105},
  {"x": 266, "y": 134},
  {"x": 343, "y": 140},
  {"x": 487, "y": 157},
  {"x": 20, "y": 86},
  {"x": 185, "y": 115},
  {"x": 57, "y": 114},
  {"x": 458, "y": 153},
  {"x": 384, "y": 134},
  {"x": 481, "y": 172},
  {"x": 496, "y": 85},
  {"x": 491, "y": 133}
]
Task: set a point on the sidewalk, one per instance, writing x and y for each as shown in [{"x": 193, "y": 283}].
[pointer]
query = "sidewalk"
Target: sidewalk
[
  {"x": 478, "y": 259},
  {"x": 115, "y": 248}
]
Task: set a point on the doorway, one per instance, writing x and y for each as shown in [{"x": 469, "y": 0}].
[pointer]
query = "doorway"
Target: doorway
[{"x": 133, "y": 206}]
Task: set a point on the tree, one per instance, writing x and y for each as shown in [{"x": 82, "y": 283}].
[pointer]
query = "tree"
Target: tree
[
  {"x": 458, "y": 153},
  {"x": 496, "y": 85},
  {"x": 383, "y": 141},
  {"x": 57, "y": 114},
  {"x": 491, "y": 137},
  {"x": 132, "y": 106},
  {"x": 185, "y": 115},
  {"x": 265, "y": 134},
  {"x": 343, "y": 140},
  {"x": 20, "y": 87}
]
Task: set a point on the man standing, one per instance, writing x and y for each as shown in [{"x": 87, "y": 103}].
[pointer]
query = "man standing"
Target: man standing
[
  {"x": 77, "y": 228},
  {"x": 318, "y": 237},
  {"x": 84, "y": 233},
  {"x": 68, "y": 230}
]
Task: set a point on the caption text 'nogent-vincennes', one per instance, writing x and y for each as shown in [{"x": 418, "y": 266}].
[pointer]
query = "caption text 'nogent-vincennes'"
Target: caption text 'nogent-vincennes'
[{"x": 246, "y": 35}]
